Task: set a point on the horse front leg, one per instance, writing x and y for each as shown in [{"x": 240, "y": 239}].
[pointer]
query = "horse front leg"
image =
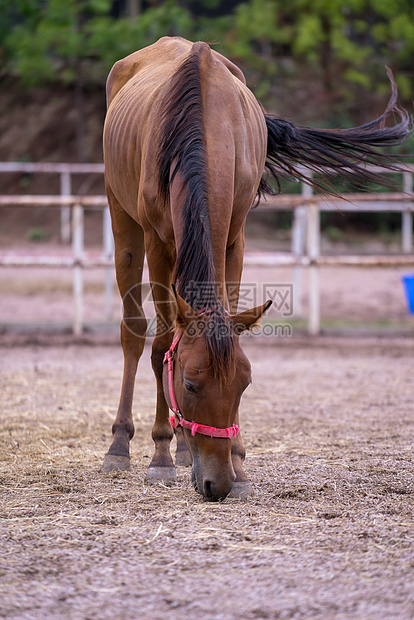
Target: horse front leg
[
  {"x": 234, "y": 267},
  {"x": 183, "y": 456},
  {"x": 241, "y": 487},
  {"x": 129, "y": 258},
  {"x": 160, "y": 264}
]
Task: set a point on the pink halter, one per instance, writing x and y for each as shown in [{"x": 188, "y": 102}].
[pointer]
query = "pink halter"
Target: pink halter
[{"x": 177, "y": 419}]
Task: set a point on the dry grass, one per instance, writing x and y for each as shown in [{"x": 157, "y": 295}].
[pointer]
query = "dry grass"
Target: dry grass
[{"x": 328, "y": 533}]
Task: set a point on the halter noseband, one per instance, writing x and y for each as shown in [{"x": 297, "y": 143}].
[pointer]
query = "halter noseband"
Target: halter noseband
[{"x": 177, "y": 419}]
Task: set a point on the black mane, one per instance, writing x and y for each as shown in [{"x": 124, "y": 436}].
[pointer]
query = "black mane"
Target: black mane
[{"x": 182, "y": 150}]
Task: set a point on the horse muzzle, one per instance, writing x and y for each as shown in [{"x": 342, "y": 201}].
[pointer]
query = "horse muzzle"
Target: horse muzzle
[{"x": 214, "y": 483}]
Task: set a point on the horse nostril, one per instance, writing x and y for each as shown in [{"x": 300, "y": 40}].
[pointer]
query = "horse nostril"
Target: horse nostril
[{"x": 208, "y": 489}]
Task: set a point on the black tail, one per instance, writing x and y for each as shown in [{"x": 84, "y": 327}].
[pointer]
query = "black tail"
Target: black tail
[{"x": 330, "y": 151}]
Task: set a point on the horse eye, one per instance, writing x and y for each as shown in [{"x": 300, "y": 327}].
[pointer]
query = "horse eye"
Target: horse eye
[{"x": 189, "y": 387}]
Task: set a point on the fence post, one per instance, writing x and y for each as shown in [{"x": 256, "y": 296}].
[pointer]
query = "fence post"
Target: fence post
[
  {"x": 407, "y": 217},
  {"x": 313, "y": 247},
  {"x": 65, "y": 190},
  {"x": 77, "y": 247},
  {"x": 298, "y": 247},
  {"x": 108, "y": 241}
]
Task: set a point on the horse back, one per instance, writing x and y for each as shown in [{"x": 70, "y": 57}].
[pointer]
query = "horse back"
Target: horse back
[{"x": 138, "y": 91}]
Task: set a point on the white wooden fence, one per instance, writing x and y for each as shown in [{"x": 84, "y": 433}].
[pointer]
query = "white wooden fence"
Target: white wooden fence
[
  {"x": 305, "y": 233},
  {"x": 306, "y": 250},
  {"x": 65, "y": 172}
]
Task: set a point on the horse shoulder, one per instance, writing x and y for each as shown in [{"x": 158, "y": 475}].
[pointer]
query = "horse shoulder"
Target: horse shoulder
[
  {"x": 121, "y": 73},
  {"x": 157, "y": 54}
]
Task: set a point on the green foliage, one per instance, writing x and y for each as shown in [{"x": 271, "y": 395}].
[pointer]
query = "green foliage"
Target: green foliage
[
  {"x": 108, "y": 40},
  {"x": 343, "y": 43},
  {"x": 55, "y": 40},
  {"x": 38, "y": 234}
]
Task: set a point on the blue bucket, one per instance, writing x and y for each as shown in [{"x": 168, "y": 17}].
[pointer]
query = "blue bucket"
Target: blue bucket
[{"x": 408, "y": 282}]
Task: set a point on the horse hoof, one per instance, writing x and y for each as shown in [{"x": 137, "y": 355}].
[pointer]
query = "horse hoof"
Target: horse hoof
[
  {"x": 183, "y": 458},
  {"x": 161, "y": 474},
  {"x": 241, "y": 490},
  {"x": 115, "y": 463}
]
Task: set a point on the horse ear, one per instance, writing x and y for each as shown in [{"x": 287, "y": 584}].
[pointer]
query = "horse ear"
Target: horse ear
[
  {"x": 246, "y": 320},
  {"x": 185, "y": 313}
]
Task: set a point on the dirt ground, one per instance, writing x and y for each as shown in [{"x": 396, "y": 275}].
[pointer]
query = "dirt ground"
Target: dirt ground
[
  {"x": 328, "y": 532},
  {"x": 328, "y": 424},
  {"x": 329, "y": 429}
]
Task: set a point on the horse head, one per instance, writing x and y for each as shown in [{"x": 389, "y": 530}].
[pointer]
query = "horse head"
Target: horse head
[{"x": 205, "y": 375}]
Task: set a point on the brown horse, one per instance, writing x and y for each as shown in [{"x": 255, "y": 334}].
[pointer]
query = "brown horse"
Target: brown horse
[{"x": 186, "y": 145}]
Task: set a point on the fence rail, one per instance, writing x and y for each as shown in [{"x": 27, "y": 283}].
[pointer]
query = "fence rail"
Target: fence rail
[
  {"x": 305, "y": 232},
  {"x": 65, "y": 171}
]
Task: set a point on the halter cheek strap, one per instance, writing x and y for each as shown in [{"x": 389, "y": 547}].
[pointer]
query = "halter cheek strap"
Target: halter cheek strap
[
  {"x": 169, "y": 360},
  {"x": 177, "y": 419}
]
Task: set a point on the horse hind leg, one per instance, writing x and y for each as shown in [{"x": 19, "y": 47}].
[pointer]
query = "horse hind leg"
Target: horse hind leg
[{"x": 129, "y": 259}]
